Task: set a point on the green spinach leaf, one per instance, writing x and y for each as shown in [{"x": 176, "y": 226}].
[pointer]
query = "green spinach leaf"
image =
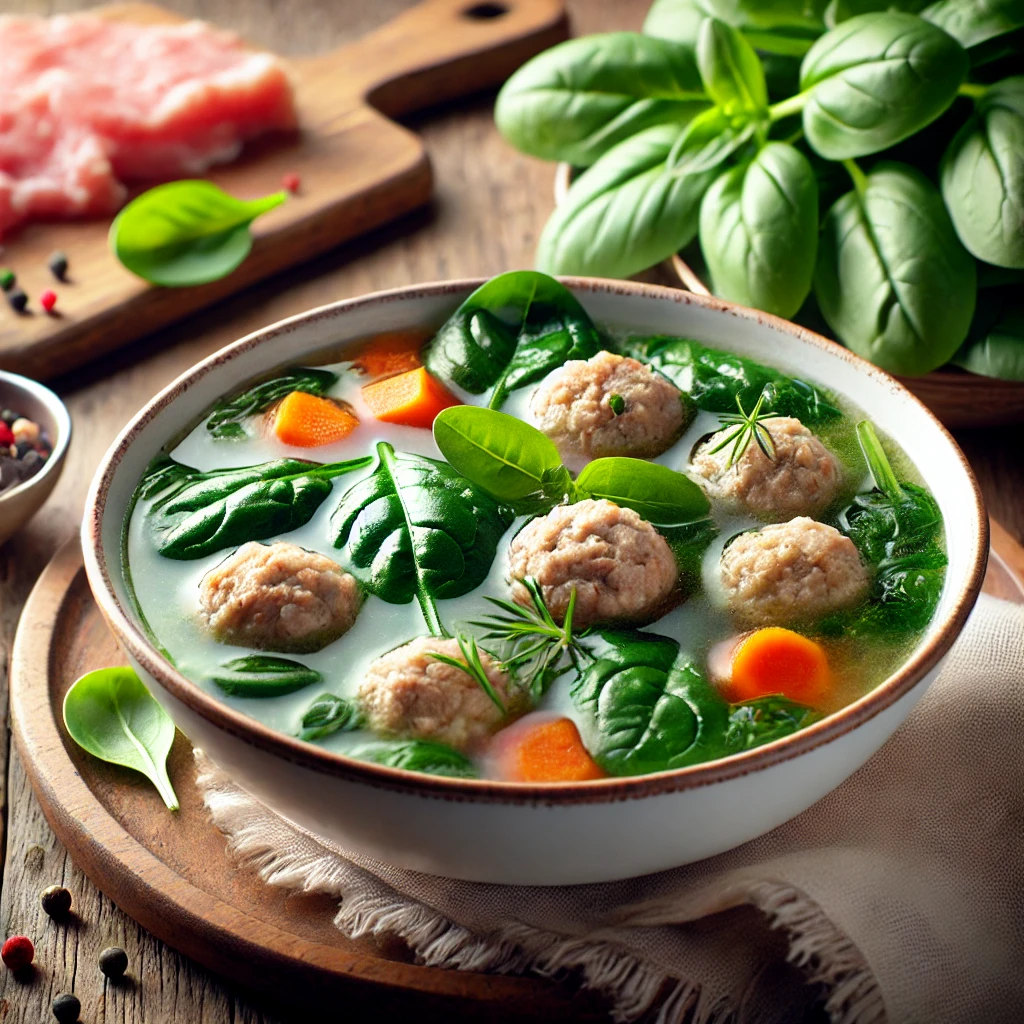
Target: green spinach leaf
[
  {"x": 510, "y": 332},
  {"x": 995, "y": 345},
  {"x": 971, "y": 22},
  {"x": 875, "y": 80},
  {"x": 415, "y": 528},
  {"x": 893, "y": 280},
  {"x": 230, "y": 413},
  {"x": 186, "y": 232},
  {"x": 329, "y": 714},
  {"x": 659, "y": 494},
  {"x": 263, "y": 675},
  {"x": 111, "y": 714},
  {"x": 418, "y": 756},
  {"x": 764, "y": 720},
  {"x": 759, "y": 230},
  {"x": 195, "y": 514},
  {"x": 578, "y": 99},
  {"x": 688, "y": 543},
  {"x": 730, "y": 70}
]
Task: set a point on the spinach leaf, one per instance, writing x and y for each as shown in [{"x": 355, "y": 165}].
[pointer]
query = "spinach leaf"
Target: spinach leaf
[
  {"x": 763, "y": 720},
  {"x": 759, "y": 230},
  {"x": 186, "y": 232},
  {"x": 995, "y": 345},
  {"x": 714, "y": 379},
  {"x": 230, "y": 413},
  {"x": 263, "y": 675},
  {"x": 195, "y": 514},
  {"x": 111, "y": 714},
  {"x": 578, "y": 99},
  {"x": 893, "y": 280},
  {"x": 982, "y": 175},
  {"x": 875, "y": 80},
  {"x": 418, "y": 756},
  {"x": 971, "y": 22},
  {"x": 688, "y": 543},
  {"x": 730, "y": 70},
  {"x": 510, "y": 332},
  {"x": 415, "y": 528},
  {"x": 630, "y": 210},
  {"x": 329, "y": 714},
  {"x": 659, "y": 494}
]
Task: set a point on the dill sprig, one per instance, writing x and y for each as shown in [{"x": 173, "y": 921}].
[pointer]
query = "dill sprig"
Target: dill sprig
[
  {"x": 473, "y": 666},
  {"x": 748, "y": 427}
]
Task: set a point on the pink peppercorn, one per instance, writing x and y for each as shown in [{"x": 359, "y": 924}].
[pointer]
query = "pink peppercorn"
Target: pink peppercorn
[
  {"x": 17, "y": 952},
  {"x": 48, "y": 299},
  {"x": 291, "y": 182},
  {"x": 6, "y": 434}
]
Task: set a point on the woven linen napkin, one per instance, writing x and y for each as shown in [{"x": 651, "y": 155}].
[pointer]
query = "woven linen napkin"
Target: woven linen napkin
[{"x": 899, "y": 897}]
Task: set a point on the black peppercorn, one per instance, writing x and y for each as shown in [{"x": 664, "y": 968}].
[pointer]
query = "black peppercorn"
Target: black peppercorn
[
  {"x": 114, "y": 962},
  {"x": 58, "y": 264},
  {"x": 23, "y": 448},
  {"x": 9, "y": 416},
  {"x": 18, "y": 299},
  {"x": 66, "y": 1009},
  {"x": 56, "y": 901}
]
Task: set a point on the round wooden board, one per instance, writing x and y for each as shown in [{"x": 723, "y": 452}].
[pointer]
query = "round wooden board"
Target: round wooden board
[{"x": 171, "y": 872}]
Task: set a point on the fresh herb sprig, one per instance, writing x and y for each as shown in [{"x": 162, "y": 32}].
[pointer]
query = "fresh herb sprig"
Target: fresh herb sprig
[
  {"x": 747, "y": 427},
  {"x": 473, "y": 666}
]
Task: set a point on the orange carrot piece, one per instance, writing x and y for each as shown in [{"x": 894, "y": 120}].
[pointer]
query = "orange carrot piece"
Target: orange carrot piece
[
  {"x": 307, "y": 421},
  {"x": 389, "y": 354},
  {"x": 776, "y": 660},
  {"x": 412, "y": 398},
  {"x": 545, "y": 751}
]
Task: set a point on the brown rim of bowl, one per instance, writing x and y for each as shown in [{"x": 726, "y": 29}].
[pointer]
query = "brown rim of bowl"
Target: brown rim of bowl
[{"x": 326, "y": 762}]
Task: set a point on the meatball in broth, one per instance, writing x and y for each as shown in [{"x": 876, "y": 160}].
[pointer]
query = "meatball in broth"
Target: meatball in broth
[
  {"x": 620, "y": 566},
  {"x": 802, "y": 478},
  {"x": 609, "y": 405},
  {"x": 279, "y": 597}
]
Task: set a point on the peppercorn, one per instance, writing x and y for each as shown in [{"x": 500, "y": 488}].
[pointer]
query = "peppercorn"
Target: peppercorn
[
  {"x": 56, "y": 901},
  {"x": 66, "y": 1008},
  {"x": 114, "y": 962},
  {"x": 9, "y": 416},
  {"x": 48, "y": 299},
  {"x": 6, "y": 435},
  {"x": 58, "y": 264},
  {"x": 291, "y": 182},
  {"x": 23, "y": 448},
  {"x": 18, "y": 299},
  {"x": 17, "y": 952},
  {"x": 7, "y": 279}
]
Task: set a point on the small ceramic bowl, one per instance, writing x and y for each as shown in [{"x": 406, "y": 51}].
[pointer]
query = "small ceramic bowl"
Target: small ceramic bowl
[
  {"x": 558, "y": 833},
  {"x": 19, "y": 504}
]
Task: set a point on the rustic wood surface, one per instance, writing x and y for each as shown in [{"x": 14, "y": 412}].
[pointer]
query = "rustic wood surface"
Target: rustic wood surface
[{"x": 490, "y": 205}]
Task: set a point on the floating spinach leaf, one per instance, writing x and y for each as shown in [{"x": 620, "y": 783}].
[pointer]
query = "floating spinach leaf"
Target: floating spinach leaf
[
  {"x": 971, "y": 22},
  {"x": 510, "y": 332},
  {"x": 578, "y": 99},
  {"x": 196, "y": 514},
  {"x": 730, "y": 70},
  {"x": 418, "y": 756},
  {"x": 995, "y": 345},
  {"x": 230, "y": 413},
  {"x": 714, "y": 380},
  {"x": 415, "y": 528},
  {"x": 111, "y": 714},
  {"x": 329, "y": 714},
  {"x": 688, "y": 544},
  {"x": 763, "y": 720},
  {"x": 659, "y": 494},
  {"x": 186, "y": 232},
  {"x": 263, "y": 675}
]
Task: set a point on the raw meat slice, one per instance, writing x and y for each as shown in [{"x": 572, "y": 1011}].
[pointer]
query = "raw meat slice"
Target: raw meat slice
[{"x": 88, "y": 101}]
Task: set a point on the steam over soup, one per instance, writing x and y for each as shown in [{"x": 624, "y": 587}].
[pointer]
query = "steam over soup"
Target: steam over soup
[{"x": 534, "y": 549}]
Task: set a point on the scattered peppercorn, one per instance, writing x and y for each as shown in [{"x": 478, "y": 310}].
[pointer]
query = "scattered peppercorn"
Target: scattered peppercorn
[
  {"x": 7, "y": 279},
  {"x": 66, "y": 1008},
  {"x": 18, "y": 299},
  {"x": 114, "y": 962},
  {"x": 291, "y": 182},
  {"x": 56, "y": 901},
  {"x": 48, "y": 299},
  {"x": 24, "y": 447},
  {"x": 58, "y": 264},
  {"x": 17, "y": 952},
  {"x": 9, "y": 416}
]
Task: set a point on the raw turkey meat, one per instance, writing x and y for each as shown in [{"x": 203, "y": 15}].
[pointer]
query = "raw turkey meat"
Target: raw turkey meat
[{"x": 88, "y": 104}]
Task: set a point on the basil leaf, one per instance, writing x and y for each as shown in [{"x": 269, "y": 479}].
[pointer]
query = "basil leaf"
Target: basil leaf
[
  {"x": 329, "y": 714},
  {"x": 995, "y": 345},
  {"x": 759, "y": 231},
  {"x": 201, "y": 513},
  {"x": 416, "y": 528},
  {"x": 229, "y": 413},
  {"x": 626, "y": 212},
  {"x": 982, "y": 175},
  {"x": 893, "y": 280},
  {"x": 764, "y": 720},
  {"x": 659, "y": 494},
  {"x": 875, "y": 80},
  {"x": 708, "y": 141},
  {"x": 186, "y": 232},
  {"x": 505, "y": 456},
  {"x": 111, "y": 714},
  {"x": 578, "y": 99},
  {"x": 510, "y": 332},
  {"x": 730, "y": 70},
  {"x": 971, "y": 22},
  {"x": 418, "y": 756},
  {"x": 263, "y": 675}
]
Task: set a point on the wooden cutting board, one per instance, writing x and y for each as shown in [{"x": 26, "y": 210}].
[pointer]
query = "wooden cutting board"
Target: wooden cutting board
[
  {"x": 173, "y": 875},
  {"x": 358, "y": 168}
]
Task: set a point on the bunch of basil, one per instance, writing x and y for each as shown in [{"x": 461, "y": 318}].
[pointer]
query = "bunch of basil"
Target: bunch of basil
[{"x": 743, "y": 122}]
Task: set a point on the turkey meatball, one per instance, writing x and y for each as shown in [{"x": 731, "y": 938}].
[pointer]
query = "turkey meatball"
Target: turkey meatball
[
  {"x": 609, "y": 405},
  {"x": 622, "y": 568},
  {"x": 279, "y": 597},
  {"x": 409, "y": 694},
  {"x": 791, "y": 572},
  {"x": 803, "y": 477}
]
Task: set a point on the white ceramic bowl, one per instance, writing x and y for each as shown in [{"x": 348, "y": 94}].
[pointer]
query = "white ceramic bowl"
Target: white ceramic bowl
[{"x": 556, "y": 833}]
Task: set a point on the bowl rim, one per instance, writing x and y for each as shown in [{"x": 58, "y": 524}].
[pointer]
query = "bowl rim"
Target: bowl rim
[
  {"x": 308, "y": 755},
  {"x": 60, "y": 413}
]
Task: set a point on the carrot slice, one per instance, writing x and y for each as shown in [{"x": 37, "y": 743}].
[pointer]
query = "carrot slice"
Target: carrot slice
[
  {"x": 773, "y": 660},
  {"x": 412, "y": 398},
  {"x": 544, "y": 751},
  {"x": 307, "y": 421},
  {"x": 388, "y": 354}
]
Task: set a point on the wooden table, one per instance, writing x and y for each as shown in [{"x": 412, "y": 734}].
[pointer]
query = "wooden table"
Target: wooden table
[{"x": 491, "y": 204}]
